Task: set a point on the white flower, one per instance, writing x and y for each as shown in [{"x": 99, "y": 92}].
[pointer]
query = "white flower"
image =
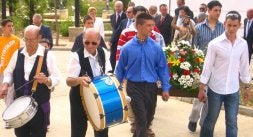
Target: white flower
[
  {"x": 185, "y": 43},
  {"x": 185, "y": 65},
  {"x": 175, "y": 76}
]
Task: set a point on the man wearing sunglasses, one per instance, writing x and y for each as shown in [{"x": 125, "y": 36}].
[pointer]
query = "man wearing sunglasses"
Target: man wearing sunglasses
[
  {"x": 87, "y": 62},
  {"x": 226, "y": 64}
]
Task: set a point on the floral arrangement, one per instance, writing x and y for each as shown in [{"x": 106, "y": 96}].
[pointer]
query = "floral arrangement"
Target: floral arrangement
[{"x": 185, "y": 65}]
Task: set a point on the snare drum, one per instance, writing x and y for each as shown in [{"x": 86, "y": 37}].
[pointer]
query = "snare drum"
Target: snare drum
[
  {"x": 105, "y": 105},
  {"x": 21, "y": 111}
]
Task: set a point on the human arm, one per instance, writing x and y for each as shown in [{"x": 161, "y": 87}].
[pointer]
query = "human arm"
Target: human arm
[
  {"x": 121, "y": 67},
  {"x": 245, "y": 73},
  {"x": 206, "y": 72},
  {"x": 8, "y": 73},
  {"x": 163, "y": 74},
  {"x": 73, "y": 72}
]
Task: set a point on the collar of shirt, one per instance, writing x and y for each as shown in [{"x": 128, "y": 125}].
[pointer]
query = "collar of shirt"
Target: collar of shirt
[
  {"x": 88, "y": 55},
  {"x": 207, "y": 24},
  {"x": 40, "y": 51},
  {"x": 224, "y": 37}
]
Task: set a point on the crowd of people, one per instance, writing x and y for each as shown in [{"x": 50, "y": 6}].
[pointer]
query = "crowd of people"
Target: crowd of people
[{"x": 137, "y": 59}]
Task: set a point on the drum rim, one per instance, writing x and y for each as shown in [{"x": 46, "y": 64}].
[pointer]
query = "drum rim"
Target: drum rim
[
  {"x": 14, "y": 120},
  {"x": 100, "y": 108}
]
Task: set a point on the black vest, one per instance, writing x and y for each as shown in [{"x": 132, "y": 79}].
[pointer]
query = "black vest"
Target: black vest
[
  {"x": 42, "y": 93},
  {"x": 85, "y": 65}
]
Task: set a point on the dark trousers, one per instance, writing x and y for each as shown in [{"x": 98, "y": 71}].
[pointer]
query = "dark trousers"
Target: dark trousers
[
  {"x": 113, "y": 55},
  {"x": 250, "y": 49},
  {"x": 34, "y": 128},
  {"x": 143, "y": 102},
  {"x": 79, "y": 118}
]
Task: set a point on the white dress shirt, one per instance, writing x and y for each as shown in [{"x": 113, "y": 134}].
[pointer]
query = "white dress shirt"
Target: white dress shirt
[
  {"x": 74, "y": 67},
  {"x": 54, "y": 73},
  {"x": 225, "y": 64},
  {"x": 99, "y": 26}
]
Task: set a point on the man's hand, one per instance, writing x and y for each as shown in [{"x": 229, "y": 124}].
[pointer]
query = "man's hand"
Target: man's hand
[
  {"x": 84, "y": 81},
  {"x": 41, "y": 78},
  {"x": 202, "y": 93},
  {"x": 3, "y": 90},
  {"x": 165, "y": 96}
]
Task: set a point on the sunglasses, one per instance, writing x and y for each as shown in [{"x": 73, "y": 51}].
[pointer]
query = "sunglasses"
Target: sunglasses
[
  {"x": 92, "y": 43},
  {"x": 234, "y": 15},
  {"x": 201, "y": 8}
]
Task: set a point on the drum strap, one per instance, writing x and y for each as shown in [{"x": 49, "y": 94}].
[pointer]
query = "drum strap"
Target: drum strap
[{"x": 35, "y": 82}]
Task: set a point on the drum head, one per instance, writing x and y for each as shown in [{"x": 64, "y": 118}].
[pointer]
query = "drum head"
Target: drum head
[
  {"x": 17, "y": 107},
  {"x": 92, "y": 106}
]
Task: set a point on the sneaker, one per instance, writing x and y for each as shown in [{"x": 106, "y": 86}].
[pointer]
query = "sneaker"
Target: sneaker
[
  {"x": 133, "y": 128},
  {"x": 150, "y": 133},
  {"x": 192, "y": 126}
]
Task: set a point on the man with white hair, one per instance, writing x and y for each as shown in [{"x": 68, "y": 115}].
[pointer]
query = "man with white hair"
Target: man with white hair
[
  {"x": 22, "y": 71},
  {"x": 44, "y": 30}
]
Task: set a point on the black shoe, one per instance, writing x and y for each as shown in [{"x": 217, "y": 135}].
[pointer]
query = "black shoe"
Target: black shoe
[{"x": 192, "y": 126}]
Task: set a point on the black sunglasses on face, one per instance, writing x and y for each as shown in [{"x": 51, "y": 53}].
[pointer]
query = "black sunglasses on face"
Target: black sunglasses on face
[{"x": 92, "y": 43}]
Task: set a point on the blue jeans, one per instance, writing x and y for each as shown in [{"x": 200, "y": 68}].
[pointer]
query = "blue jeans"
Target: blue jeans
[{"x": 231, "y": 104}]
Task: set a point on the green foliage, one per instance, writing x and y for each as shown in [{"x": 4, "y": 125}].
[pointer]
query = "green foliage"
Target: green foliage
[
  {"x": 21, "y": 17},
  {"x": 64, "y": 27}
]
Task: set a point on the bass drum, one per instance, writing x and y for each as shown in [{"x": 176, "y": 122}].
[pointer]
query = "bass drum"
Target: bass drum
[{"x": 105, "y": 105}]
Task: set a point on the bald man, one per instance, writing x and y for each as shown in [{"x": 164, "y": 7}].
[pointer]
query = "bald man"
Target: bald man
[
  {"x": 118, "y": 15},
  {"x": 90, "y": 60},
  {"x": 22, "y": 71}
]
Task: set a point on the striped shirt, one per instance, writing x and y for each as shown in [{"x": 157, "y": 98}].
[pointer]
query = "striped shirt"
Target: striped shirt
[
  {"x": 204, "y": 34},
  {"x": 128, "y": 33}
]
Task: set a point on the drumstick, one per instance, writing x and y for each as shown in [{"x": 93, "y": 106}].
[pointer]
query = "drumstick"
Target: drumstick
[{"x": 24, "y": 84}]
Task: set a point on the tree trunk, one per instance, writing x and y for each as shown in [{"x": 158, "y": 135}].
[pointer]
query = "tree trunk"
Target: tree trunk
[
  {"x": 3, "y": 9},
  {"x": 77, "y": 9},
  {"x": 56, "y": 24}
]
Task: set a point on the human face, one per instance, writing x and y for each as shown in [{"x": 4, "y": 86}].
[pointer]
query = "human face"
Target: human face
[
  {"x": 182, "y": 13},
  {"x": 89, "y": 24},
  {"x": 214, "y": 13},
  {"x": 37, "y": 22},
  {"x": 180, "y": 3},
  {"x": 164, "y": 10},
  {"x": 129, "y": 13},
  {"x": 118, "y": 7},
  {"x": 8, "y": 28},
  {"x": 92, "y": 13},
  {"x": 145, "y": 30},
  {"x": 231, "y": 26},
  {"x": 31, "y": 39},
  {"x": 91, "y": 42},
  {"x": 202, "y": 8}
]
